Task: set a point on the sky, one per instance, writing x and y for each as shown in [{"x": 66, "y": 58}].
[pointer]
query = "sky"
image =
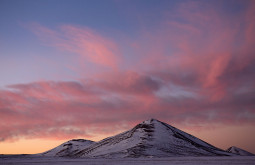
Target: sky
[{"x": 91, "y": 69}]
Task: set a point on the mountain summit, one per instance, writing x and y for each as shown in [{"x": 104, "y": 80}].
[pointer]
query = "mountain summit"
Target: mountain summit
[{"x": 150, "y": 138}]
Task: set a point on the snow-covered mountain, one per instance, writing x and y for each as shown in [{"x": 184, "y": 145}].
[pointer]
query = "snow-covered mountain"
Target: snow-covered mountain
[
  {"x": 69, "y": 147},
  {"x": 239, "y": 151},
  {"x": 151, "y": 138}
]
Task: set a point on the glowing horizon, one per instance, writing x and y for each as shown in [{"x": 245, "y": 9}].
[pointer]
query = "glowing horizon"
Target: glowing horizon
[
  {"x": 91, "y": 69},
  {"x": 30, "y": 146}
]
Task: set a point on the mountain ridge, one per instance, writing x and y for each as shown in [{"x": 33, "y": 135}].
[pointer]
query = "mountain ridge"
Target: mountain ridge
[
  {"x": 150, "y": 138},
  {"x": 66, "y": 148}
]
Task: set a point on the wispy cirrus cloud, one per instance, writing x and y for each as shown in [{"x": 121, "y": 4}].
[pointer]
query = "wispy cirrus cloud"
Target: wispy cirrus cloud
[
  {"x": 196, "y": 68},
  {"x": 197, "y": 46},
  {"x": 85, "y": 42}
]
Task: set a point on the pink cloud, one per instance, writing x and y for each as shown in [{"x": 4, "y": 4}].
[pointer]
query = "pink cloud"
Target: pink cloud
[
  {"x": 70, "y": 109},
  {"x": 250, "y": 25},
  {"x": 192, "y": 72},
  {"x": 200, "y": 43},
  {"x": 89, "y": 45}
]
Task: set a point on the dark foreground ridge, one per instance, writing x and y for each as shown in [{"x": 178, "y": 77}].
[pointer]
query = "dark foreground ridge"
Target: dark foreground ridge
[{"x": 150, "y": 138}]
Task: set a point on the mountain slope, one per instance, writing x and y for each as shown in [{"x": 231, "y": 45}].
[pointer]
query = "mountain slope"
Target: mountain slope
[
  {"x": 69, "y": 147},
  {"x": 150, "y": 138},
  {"x": 239, "y": 151}
]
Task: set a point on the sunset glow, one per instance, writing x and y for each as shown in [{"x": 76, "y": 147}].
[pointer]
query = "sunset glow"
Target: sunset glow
[{"x": 92, "y": 69}]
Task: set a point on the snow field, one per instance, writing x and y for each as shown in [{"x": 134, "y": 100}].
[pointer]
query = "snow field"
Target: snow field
[{"x": 229, "y": 160}]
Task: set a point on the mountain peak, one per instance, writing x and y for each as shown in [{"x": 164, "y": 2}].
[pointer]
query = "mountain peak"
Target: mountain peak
[
  {"x": 149, "y": 121},
  {"x": 150, "y": 138}
]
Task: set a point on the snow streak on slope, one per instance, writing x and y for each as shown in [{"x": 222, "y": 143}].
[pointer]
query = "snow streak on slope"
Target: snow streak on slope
[
  {"x": 150, "y": 138},
  {"x": 69, "y": 147},
  {"x": 239, "y": 151}
]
